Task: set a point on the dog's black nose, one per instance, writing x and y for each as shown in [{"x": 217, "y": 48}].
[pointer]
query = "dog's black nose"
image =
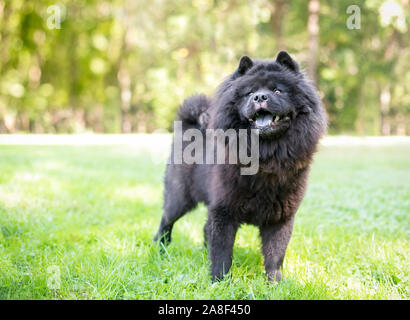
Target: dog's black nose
[{"x": 260, "y": 97}]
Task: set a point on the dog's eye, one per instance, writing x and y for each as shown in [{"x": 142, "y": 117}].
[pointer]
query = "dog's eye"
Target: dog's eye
[{"x": 277, "y": 91}]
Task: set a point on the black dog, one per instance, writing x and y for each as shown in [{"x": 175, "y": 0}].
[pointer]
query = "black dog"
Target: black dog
[{"x": 276, "y": 98}]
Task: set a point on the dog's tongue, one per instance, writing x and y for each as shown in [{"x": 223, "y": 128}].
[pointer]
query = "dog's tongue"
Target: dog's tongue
[{"x": 264, "y": 120}]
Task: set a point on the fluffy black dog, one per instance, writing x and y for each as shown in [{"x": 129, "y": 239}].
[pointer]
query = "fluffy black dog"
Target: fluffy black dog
[{"x": 276, "y": 98}]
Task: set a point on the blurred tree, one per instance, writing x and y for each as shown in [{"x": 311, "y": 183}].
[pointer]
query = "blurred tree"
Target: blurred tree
[
  {"x": 277, "y": 17},
  {"x": 313, "y": 42},
  {"x": 126, "y": 65}
]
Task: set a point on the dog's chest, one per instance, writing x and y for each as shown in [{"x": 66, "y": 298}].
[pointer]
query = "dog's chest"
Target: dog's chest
[{"x": 259, "y": 203}]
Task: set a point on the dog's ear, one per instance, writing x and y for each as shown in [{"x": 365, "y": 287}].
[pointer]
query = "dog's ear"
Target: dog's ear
[
  {"x": 244, "y": 65},
  {"x": 285, "y": 60}
]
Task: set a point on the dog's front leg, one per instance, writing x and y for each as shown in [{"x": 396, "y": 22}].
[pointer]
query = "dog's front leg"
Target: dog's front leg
[
  {"x": 275, "y": 239},
  {"x": 221, "y": 230}
]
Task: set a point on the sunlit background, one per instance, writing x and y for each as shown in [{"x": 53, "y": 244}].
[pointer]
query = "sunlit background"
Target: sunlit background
[{"x": 124, "y": 66}]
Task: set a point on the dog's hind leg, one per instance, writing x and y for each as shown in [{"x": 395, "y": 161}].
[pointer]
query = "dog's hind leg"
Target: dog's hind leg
[
  {"x": 177, "y": 202},
  {"x": 172, "y": 212}
]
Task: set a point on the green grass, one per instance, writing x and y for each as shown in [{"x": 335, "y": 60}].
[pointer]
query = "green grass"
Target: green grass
[{"x": 84, "y": 217}]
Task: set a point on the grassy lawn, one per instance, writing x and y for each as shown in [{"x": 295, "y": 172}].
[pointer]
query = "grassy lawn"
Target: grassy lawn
[{"x": 77, "y": 222}]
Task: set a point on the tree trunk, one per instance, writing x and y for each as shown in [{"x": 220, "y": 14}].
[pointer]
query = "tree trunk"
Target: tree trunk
[
  {"x": 313, "y": 45},
  {"x": 278, "y": 12},
  {"x": 385, "y": 98},
  {"x": 123, "y": 75},
  {"x": 360, "y": 120}
]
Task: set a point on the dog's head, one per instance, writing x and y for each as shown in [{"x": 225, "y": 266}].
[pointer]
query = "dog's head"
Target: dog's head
[{"x": 276, "y": 98}]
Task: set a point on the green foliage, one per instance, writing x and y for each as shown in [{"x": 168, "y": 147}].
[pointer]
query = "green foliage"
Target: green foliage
[
  {"x": 126, "y": 65},
  {"x": 91, "y": 213}
]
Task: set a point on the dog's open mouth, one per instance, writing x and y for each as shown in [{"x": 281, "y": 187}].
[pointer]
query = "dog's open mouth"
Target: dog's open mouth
[
  {"x": 264, "y": 118},
  {"x": 269, "y": 123}
]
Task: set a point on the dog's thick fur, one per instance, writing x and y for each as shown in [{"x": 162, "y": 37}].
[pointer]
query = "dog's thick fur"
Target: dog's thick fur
[{"x": 268, "y": 199}]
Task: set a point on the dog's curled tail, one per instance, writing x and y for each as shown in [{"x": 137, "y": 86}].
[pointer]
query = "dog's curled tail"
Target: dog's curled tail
[{"x": 194, "y": 111}]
